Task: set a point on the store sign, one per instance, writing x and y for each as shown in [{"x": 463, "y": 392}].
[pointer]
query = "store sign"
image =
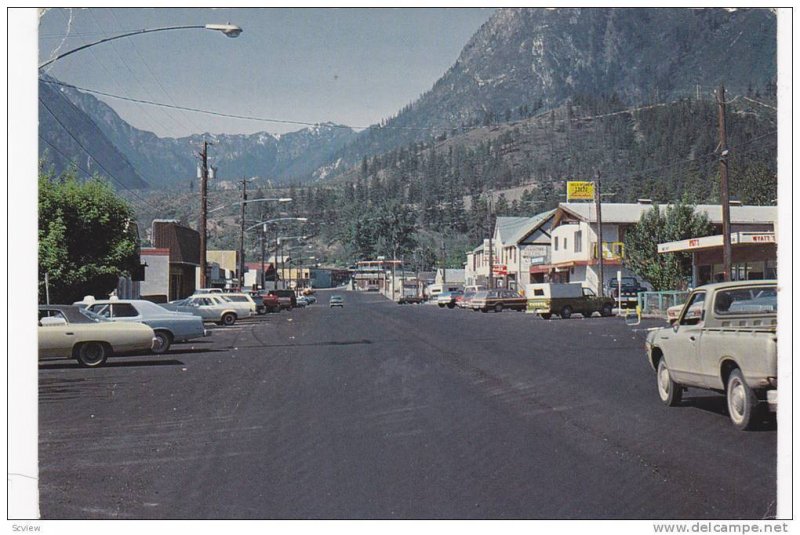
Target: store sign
[
  {"x": 529, "y": 252},
  {"x": 580, "y": 191},
  {"x": 500, "y": 269}
]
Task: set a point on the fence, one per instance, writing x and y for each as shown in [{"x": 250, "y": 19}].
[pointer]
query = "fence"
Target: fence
[{"x": 657, "y": 303}]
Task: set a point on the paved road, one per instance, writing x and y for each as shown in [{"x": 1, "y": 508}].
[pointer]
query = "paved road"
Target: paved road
[{"x": 384, "y": 411}]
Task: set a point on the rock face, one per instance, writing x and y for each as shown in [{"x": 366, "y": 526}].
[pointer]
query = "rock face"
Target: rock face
[{"x": 540, "y": 58}]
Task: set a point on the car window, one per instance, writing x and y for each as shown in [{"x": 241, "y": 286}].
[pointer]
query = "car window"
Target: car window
[
  {"x": 694, "y": 311},
  {"x": 101, "y": 310},
  {"x": 92, "y": 316},
  {"x": 746, "y": 301},
  {"x": 588, "y": 292},
  {"x": 123, "y": 310},
  {"x": 51, "y": 314}
]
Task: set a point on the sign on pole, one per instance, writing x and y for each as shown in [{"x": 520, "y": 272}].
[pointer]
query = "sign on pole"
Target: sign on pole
[{"x": 580, "y": 191}]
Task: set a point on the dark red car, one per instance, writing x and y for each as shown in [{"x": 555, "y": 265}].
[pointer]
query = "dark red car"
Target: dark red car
[{"x": 266, "y": 302}]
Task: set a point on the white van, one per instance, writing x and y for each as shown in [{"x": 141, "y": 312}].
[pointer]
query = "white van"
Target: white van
[{"x": 434, "y": 290}]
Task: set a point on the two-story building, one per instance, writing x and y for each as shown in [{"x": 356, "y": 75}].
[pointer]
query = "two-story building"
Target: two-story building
[
  {"x": 520, "y": 248},
  {"x": 574, "y": 251}
]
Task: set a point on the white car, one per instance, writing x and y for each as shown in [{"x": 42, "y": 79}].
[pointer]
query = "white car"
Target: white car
[{"x": 240, "y": 301}]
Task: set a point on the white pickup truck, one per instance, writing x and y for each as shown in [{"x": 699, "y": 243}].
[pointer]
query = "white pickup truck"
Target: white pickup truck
[{"x": 723, "y": 340}]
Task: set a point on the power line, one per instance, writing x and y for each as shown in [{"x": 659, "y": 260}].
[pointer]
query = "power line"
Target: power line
[{"x": 88, "y": 153}]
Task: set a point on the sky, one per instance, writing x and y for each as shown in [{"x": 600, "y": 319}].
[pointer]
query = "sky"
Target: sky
[{"x": 351, "y": 66}]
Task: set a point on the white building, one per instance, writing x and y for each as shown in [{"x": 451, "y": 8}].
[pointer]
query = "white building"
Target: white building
[{"x": 574, "y": 240}]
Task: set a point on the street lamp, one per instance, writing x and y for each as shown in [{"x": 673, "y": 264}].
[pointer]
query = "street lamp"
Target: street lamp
[{"x": 231, "y": 30}]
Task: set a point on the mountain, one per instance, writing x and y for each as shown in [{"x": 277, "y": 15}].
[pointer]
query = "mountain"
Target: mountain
[
  {"x": 70, "y": 137},
  {"x": 536, "y": 59},
  {"x": 168, "y": 162}
]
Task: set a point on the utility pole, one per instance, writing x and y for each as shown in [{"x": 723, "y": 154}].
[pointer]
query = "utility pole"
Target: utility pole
[
  {"x": 491, "y": 235},
  {"x": 599, "y": 232},
  {"x": 203, "y": 212},
  {"x": 444, "y": 263},
  {"x": 241, "y": 234},
  {"x": 263, "y": 252},
  {"x": 727, "y": 253}
]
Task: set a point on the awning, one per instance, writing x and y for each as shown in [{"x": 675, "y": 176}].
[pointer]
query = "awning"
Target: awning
[{"x": 713, "y": 242}]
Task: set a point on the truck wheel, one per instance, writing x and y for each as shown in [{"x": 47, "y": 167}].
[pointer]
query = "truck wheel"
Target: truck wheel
[
  {"x": 742, "y": 402},
  {"x": 451, "y": 305},
  {"x": 546, "y": 316},
  {"x": 229, "y": 318},
  {"x": 91, "y": 354},
  {"x": 668, "y": 390},
  {"x": 261, "y": 310},
  {"x": 441, "y": 305},
  {"x": 498, "y": 307},
  {"x": 607, "y": 310},
  {"x": 566, "y": 312},
  {"x": 163, "y": 341}
]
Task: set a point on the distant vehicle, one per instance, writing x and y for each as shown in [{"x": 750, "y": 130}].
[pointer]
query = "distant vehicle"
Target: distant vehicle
[
  {"x": 209, "y": 307},
  {"x": 336, "y": 301},
  {"x": 433, "y": 290},
  {"x": 243, "y": 303},
  {"x": 287, "y": 298},
  {"x": 466, "y": 299},
  {"x": 302, "y": 302},
  {"x": 310, "y": 298},
  {"x": 448, "y": 299},
  {"x": 74, "y": 332},
  {"x": 566, "y": 299},
  {"x": 169, "y": 326},
  {"x": 631, "y": 287},
  {"x": 407, "y": 299},
  {"x": 265, "y": 302},
  {"x": 498, "y": 300},
  {"x": 208, "y": 291},
  {"x": 725, "y": 340}
]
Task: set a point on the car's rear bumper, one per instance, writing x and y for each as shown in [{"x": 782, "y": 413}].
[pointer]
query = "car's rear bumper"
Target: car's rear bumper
[{"x": 772, "y": 400}]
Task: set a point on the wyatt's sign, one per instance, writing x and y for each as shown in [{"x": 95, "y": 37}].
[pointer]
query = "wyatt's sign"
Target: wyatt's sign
[{"x": 580, "y": 191}]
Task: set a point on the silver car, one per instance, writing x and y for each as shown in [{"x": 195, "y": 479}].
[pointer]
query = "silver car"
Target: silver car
[{"x": 169, "y": 326}]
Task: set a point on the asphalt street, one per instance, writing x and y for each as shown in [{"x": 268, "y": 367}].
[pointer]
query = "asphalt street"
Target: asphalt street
[{"x": 381, "y": 411}]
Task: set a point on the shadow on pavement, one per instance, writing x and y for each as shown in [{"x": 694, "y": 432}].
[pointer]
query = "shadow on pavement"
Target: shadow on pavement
[{"x": 718, "y": 405}]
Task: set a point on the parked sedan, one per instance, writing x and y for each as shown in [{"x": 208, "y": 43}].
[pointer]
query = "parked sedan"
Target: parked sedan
[
  {"x": 169, "y": 326},
  {"x": 209, "y": 307},
  {"x": 72, "y": 332},
  {"x": 498, "y": 300},
  {"x": 242, "y": 302}
]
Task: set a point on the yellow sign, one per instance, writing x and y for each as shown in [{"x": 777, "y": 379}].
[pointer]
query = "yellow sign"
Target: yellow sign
[{"x": 580, "y": 191}]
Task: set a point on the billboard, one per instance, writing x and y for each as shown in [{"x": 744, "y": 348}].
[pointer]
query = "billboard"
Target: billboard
[{"x": 580, "y": 191}]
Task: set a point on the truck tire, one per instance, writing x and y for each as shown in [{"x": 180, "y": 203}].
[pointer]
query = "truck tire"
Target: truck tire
[
  {"x": 498, "y": 307},
  {"x": 451, "y": 305},
  {"x": 742, "y": 401},
  {"x": 607, "y": 310},
  {"x": 229, "y": 318},
  {"x": 164, "y": 340},
  {"x": 668, "y": 390},
  {"x": 92, "y": 354},
  {"x": 546, "y": 316},
  {"x": 566, "y": 312},
  {"x": 261, "y": 310}
]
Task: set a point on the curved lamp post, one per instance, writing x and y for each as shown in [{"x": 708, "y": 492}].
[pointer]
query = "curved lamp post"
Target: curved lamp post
[{"x": 231, "y": 30}]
